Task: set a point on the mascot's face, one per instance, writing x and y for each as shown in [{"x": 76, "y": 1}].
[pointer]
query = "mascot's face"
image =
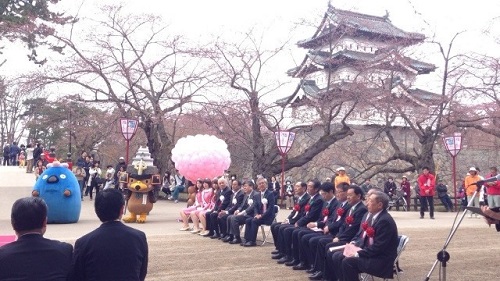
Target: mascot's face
[
  {"x": 56, "y": 179},
  {"x": 135, "y": 184}
]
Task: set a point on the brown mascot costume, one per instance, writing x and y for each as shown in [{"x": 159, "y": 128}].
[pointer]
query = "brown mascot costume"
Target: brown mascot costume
[{"x": 142, "y": 185}]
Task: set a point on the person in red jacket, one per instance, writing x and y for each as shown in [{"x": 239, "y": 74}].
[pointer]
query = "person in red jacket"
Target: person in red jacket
[
  {"x": 427, "y": 183},
  {"x": 493, "y": 189}
]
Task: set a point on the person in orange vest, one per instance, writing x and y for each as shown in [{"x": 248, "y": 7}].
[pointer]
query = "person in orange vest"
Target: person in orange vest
[{"x": 470, "y": 187}]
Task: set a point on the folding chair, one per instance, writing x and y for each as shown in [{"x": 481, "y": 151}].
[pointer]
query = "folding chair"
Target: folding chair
[
  {"x": 403, "y": 240},
  {"x": 6, "y": 239},
  {"x": 265, "y": 235}
]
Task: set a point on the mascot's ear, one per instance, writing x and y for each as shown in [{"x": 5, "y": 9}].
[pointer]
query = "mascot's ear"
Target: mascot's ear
[{"x": 65, "y": 165}]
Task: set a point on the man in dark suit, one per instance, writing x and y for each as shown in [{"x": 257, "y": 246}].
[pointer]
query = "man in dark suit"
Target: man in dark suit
[
  {"x": 374, "y": 248},
  {"x": 235, "y": 202},
  {"x": 264, "y": 213},
  {"x": 351, "y": 221},
  {"x": 308, "y": 242},
  {"x": 245, "y": 211},
  {"x": 33, "y": 257},
  {"x": 221, "y": 204},
  {"x": 113, "y": 251},
  {"x": 297, "y": 213},
  {"x": 299, "y": 260},
  {"x": 313, "y": 212}
]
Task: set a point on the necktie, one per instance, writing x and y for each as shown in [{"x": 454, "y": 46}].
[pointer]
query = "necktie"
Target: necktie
[{"x": 369, "y": 220}]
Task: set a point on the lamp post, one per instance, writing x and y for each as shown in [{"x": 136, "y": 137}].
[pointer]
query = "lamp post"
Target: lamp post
[
  {"x": 284, "y": 141},
  {"x": 128, "y": 127},
  {"x": 453, "y": 145}
]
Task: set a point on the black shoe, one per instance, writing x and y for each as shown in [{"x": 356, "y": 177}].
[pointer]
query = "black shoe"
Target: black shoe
[
  {"x": 432, "y": 218},
  {"x": 210, "y": 234},
  {"x": 222, "y": 236},
  {"x": 277, "y": 256},
  {"x": 318, "y": 275},
  {"x": 284, "y": 259},
  {"x": 291, "y": 263},
  {"x": 250, "y": 244},
  {"x": 299, "y": 266},
  {"x": 227, "y": 239},
  {"x": 275, "y": 252},
  {"x": 235, "y": 241},
  {"x": 215, "y": 236},
  {"x": 311, "y": 270}
]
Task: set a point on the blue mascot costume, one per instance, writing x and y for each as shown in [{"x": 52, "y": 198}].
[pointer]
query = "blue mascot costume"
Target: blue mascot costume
[{"x": 59, "y": 188}]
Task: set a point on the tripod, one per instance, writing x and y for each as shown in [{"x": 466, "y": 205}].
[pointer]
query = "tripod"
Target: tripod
[{"x": 443, "y": 256}]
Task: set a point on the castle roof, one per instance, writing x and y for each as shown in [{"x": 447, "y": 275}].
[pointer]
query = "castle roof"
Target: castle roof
[
  {"x": 337, "y": 22},
  {"x": 385, "y": 59}
]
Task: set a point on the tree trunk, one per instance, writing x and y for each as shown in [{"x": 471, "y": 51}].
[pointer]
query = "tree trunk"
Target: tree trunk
[{"x": 159, "y": 144}]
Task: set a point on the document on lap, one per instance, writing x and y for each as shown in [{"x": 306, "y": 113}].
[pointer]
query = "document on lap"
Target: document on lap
[
  {"x": 336, "y": 248},
  {"x": 316, "y": 229}
]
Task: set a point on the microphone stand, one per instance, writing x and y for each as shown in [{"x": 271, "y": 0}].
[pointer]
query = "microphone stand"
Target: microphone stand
[{"x": 443, "y": 256}]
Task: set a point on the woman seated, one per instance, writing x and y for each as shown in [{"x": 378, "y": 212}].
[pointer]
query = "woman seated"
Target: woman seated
[
  {"x": 186, "y": 212},
  {"x": 203, "y": 218},
  {"x": 206, "y": 201}
]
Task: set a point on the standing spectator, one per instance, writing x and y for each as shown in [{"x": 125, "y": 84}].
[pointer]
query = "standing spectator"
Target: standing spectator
[
  {"x": 39, "y": 169},
  {"x": 113, "y": 251},
  {"x": 121, "y": 163},
  {"x": 427, "y": 183},
  {"x": 442, "y": 191},
  {"x": 341, "y": 177},
  {"x": 110, "y": 173},
  {"x": 14, "y": 152},
  {"x": 289, "y": 195},
  {"x": 122, "y": 178},
  {"x": 6, "y": 155},
  {"x": 179, "y": 186},
  {"x": 86, "y": 167},
  {"x": 390, "y": 187},
  {"x": 21, "y": 159},
  {"x": 275, "y": 187},
  {"x": 493, "y": 189},
  {"x": 470, "y": 187},
  {"x": 81, "y": 160},
  {"x": 37, "y": 151},
  {"x": 94, "y": 178},
  {"x": 33, "y": 257},
  {"x": 29, "y": 158},
  {"x": 406, "y": 189},
  {"x": 80, "y": 175}
]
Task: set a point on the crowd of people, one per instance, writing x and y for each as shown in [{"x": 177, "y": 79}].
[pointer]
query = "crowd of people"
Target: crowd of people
[{"x": 334, "y": 230}]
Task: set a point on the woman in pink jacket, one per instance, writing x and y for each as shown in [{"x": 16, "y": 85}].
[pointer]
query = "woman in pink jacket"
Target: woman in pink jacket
[
  {"x": 206, "y": 201},
  {"x": 186, "y": 212}
]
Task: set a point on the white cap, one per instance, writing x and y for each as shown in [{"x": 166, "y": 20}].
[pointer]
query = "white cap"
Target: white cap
[
  {"x": 121, "y": 158},
  {"x": 473, "y": 169},
  {"x": 340, "y": 169}
]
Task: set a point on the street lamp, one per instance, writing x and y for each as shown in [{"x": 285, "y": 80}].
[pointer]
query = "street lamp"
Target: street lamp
[
  {"x": 284, "y": 140},
  {"x": 128, "y": 127},
  {"x": 453, "y": 145}
]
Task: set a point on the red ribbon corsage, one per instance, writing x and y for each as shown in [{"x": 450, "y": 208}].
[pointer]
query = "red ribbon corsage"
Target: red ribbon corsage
[{"x": 349, "y": 219}]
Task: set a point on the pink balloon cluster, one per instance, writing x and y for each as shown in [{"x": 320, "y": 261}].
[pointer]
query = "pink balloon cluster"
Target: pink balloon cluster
[{"x": 201, "y": 156}]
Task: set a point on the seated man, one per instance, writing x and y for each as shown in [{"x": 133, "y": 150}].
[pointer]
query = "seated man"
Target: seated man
[
  {"x": 314, "y": 228},
  {"x": 374, "y": 248},
  {"x": 247, "y": 211},
  {"x": 351, "y": 222},
  {"x": 313, "y": 213},
  {"x": 265, "y": 213},
  {"x": 113, "y": 251},
  {"x": 235, "y": 202},
  {"x": 222, "y": 203},
  {"x": 297, "y": 213},
  {"x": 33, "y": 257}
]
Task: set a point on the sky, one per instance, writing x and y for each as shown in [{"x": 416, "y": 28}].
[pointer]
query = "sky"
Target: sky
[{"x": 202, "y": 20}]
